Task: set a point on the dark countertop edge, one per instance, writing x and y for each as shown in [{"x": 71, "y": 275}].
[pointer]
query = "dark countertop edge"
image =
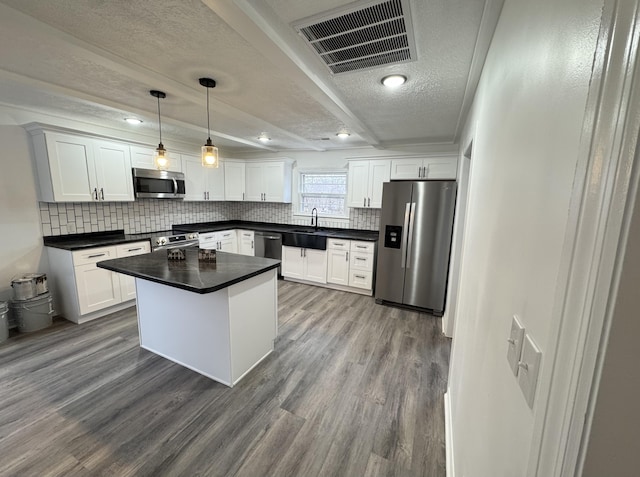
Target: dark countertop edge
[
  {"x": 357, "y": 234},
  {"x": 185, "y": 286},
  {"x": 75, "y": 242}
]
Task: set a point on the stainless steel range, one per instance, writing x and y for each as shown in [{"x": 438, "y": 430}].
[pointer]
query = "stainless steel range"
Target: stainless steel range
[{"x": 170, "y": 239}]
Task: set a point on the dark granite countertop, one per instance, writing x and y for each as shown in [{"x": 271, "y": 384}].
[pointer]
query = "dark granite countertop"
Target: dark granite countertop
[
  {"x": 190, "y": 274},
  {"x": 94, "y": 239},
  {"x": 347, "y": 234}
]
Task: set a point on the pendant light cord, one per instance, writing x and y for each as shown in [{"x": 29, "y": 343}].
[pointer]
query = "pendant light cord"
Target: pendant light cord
[
  {"x": 208, "y": 125},
  {"x": 159, "y": 120}
]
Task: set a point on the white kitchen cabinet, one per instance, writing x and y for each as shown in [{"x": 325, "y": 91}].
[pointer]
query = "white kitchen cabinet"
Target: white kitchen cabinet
[
  {"x": 246, "y": 244},
  {"x": 234, "y": 180},
  {"x": 365, "y": 182},
  {"x": 338, "y": 261},
  {"x": 224, "y": 241},
  {"x": 443, "y": 167},
  {"x": 304, "y": 264},
  {"x": 143, "y": 157},
  {"x": 85, "y": 292},
  {"x": 202, "y": 183},
  {"x": 127, "y": 283},
  {"x": 268, "y": 181},
  {"x": 81, "y": 169}
]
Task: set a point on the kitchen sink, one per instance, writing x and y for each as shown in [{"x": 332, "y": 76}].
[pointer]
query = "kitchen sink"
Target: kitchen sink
[{"x": 304, "y": 239}]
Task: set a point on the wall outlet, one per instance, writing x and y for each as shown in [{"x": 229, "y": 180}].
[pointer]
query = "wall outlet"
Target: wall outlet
[
  {"x": 529, "y": 368},
  {"x": 514, "y": 351}
]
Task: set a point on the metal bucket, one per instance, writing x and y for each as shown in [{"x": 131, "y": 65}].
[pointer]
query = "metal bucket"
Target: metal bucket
[
  {"x": 4, "y": 321},
  {"x": 34, "y": 314},
  {"x": 40, "y": 282},
  {"x": 23, "y": 288}
]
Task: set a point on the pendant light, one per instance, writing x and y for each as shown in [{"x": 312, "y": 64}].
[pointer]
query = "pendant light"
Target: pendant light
[
  {"x": 209, "y": 151},
  {"x": 160, "y": 159}
]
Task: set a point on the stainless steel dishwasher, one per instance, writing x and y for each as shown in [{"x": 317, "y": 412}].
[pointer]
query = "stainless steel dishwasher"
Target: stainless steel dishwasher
[{"x": 268, "y": 245}]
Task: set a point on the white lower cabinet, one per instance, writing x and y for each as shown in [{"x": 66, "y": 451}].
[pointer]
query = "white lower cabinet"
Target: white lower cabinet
[
  {"x": 224, "y": 241},
  {"x": 351, "y": 263},
  {"x": 83, "y": 291},
  {"x": 304, "y": 264},
  {"x": 246, "y": 243}
]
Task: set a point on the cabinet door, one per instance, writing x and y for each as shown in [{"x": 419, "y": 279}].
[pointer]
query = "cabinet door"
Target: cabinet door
[
  {"x": 228, "y": 241},
  {"x": 254, "y": 176},
  {"x": 195, "y": 178},
  {"x": 358, "y": 183},
  {"x": 441, "y": 167},
  {"x": 292, "y": 262},
  {"x": 97, "y": 288},
  {"x": 72, "y": 168},
  {"x": 234, "y": 181},
  {"x": 113, "y": 171},
  {"x": 215, "y": 182},
  {"x": 142, "y": 157},
  {"x": 338, "y": 267},
  {"x": 246, "y": 244},
  {"x": 274, "y": 185},
  {"x": 127, "y": 283},
  {"x": 315, "y": 265},
  {"x": 406, "y": 168},
  {"x": 379, "y": 173}
]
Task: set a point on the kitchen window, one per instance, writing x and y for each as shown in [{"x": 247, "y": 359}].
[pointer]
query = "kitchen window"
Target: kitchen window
[{"x": 326, "y": 191}]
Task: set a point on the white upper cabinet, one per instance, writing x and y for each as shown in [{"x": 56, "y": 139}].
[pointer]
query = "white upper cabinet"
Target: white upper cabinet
[
  {"x": 234, "y": 180},
  {"x": 443, "y": 167},
  {"x": 268, "y": 181},
  {"x": 81, "y": 169},
  {"x": 365, "y": 182},
  {"x": 202, "y": 183},
  {"x": 142, "y": 157}
]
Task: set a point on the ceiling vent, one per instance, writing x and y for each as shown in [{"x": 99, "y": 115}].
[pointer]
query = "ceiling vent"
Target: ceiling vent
[{"x": 362, "y": 37}]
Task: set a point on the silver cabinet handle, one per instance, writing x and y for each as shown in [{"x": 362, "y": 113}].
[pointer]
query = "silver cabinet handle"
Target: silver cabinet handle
[
  {"x": 360, "y": 276},
  {"x": 305, "y": 251},
  {"x": 243, "y": 196},
  {"x": 97, "y": 255},
  {"x": 95, "y": 193},
  {"x": 419, "y": 172},
  {"x": 252, "y": 245},
  {"x": 300, "y": 252},
  {"x": 364, "y": 204},
  {"x": 361, "y": 259},
  {"x": 101, "y": 193},
  {"x": 134, "y": 249},
  {"x": 346, "y": 257},
  {"x": 369, "y": 202},
  {"x": 361, "y": 246},
  {"x": 205, "y": 195}
]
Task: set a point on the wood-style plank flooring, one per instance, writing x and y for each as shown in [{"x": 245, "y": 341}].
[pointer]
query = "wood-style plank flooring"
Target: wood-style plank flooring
[{"x": 352, "y": 389}]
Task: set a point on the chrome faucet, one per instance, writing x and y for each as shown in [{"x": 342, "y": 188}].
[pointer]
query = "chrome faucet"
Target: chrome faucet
[{"x": 316, "y": 210}]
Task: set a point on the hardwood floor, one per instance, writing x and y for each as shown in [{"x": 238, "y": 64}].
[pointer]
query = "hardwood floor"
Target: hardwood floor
[{"x": 352, "y": 389}]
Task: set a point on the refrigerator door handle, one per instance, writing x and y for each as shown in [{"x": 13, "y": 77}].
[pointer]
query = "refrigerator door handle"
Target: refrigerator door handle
[
  {"x": 412, "y": 214},
  {"x": 403, "y": 243}
]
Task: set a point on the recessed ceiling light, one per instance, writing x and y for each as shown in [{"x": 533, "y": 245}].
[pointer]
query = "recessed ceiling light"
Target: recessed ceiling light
[
  {"x": 263, "y": 137},
  {"x": 393, "y": 81},
  {"x": 343, "y": 134},
  {"x": 133, "y": 120}
]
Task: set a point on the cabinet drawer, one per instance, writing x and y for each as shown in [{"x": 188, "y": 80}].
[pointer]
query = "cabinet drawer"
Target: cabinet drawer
[
  {"x": 131, "y": 249},
  {"x": 364, "y": 247},
  {"x": 338, "y": 244},
  {"x": 93, "y": 255},
  {"x": 227, "y": 234},
  {"x": 360, "y": 279},
  {"x": 207, "y": 236},
  {"x": 246, "y": 234},
  {"x": 361, "y": 261}
]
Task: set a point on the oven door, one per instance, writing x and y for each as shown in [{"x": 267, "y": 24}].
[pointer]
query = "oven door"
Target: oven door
[{"x": 151, "y": 184}]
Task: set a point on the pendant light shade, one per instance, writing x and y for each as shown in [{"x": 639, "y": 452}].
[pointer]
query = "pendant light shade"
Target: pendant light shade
[
  {"x": 160, "y": 158},
  {"x": 210, "y": 156}
]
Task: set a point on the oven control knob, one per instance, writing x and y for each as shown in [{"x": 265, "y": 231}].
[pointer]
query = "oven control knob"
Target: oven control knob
[{"x": 161, "y": 241}]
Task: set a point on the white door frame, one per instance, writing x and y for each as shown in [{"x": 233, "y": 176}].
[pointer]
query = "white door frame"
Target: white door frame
[{"x": 602, "y": 200}]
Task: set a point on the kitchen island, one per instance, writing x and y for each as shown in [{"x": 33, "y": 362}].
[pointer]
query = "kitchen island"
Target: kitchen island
[{"x": 219, "y": 320}]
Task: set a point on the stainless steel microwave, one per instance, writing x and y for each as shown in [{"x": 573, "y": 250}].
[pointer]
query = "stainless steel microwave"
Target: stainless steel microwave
[{"x": 153, "y": 184}]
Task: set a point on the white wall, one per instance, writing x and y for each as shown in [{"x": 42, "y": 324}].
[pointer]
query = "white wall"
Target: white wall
[
  {"x": 525, "y": 124},
  {"x": 21, "y": 248}
]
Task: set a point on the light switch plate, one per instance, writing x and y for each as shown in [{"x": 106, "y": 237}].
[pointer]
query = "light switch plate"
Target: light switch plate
[
  {"x": 516, "y": 337},
  {"x": 529, "y": 369}
]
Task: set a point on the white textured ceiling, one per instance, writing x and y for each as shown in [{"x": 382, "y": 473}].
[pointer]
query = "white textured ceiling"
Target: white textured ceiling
[{"x": 95, "y": 61}]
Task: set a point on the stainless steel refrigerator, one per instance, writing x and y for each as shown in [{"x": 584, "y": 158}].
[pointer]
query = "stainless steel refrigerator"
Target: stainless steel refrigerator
[{"x": 416, "y": 226}]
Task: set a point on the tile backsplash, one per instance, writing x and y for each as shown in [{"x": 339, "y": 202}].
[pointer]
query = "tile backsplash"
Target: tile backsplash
[{"x": 150, "y": 215}]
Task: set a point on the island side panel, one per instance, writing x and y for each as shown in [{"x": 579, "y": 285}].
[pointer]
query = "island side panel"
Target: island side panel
[
  {"x": 187, "y": 328},
  {"x": 253, "y": 320}
]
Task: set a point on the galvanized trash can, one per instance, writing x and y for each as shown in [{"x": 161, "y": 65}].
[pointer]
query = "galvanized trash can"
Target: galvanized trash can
[{"x": 34, "y": 314}]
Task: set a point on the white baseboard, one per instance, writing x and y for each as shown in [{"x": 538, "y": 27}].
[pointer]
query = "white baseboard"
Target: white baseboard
[{"x": 448, "y": 436}]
